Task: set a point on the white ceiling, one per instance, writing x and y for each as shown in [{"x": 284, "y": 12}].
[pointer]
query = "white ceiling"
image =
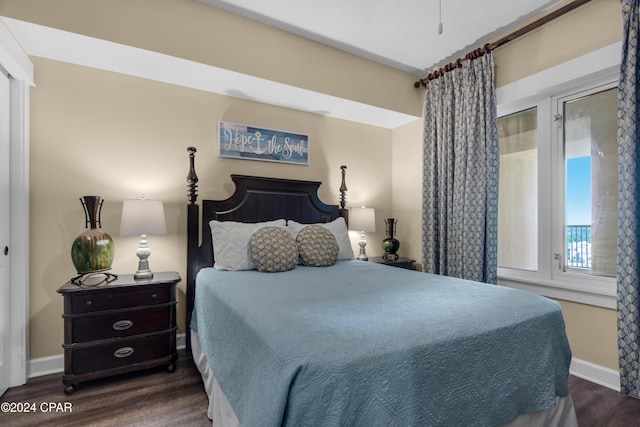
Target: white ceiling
[{"x": 399, "y": 33}]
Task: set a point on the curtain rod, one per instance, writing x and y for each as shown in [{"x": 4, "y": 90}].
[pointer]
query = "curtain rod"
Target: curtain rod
[{"x": 504, "y": 40}]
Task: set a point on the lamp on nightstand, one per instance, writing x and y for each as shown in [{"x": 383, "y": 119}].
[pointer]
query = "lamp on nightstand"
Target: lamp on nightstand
[
  {"x": 141, "y": 217},
  {"x": 363, "y": 220}
]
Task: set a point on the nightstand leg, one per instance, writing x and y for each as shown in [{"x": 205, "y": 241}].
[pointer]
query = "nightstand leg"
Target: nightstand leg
[{"x": 69, "y": 389}]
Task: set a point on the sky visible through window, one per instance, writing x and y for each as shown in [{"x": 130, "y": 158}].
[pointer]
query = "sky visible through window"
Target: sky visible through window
[{"x": 578, "y": 192}]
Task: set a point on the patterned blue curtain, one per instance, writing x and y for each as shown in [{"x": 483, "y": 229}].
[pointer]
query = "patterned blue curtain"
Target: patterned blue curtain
[
  {"x": 461, "y": 155},
  {"x": 628, "y": 207}
]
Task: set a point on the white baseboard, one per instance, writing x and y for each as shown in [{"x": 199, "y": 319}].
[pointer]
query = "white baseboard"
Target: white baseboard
[
  {"x": 580, "y": 368},
  {"x": 55, "y": 364},
  {"x": 595, "y": 373},
  {"x": 45, "y": 366}
]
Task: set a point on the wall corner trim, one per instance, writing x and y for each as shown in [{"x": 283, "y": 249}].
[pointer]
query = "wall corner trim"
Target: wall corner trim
[{"x": 13, "y": 57}]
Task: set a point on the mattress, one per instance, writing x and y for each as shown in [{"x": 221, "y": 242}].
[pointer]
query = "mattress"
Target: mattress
[{"x": 364, "y": 343}]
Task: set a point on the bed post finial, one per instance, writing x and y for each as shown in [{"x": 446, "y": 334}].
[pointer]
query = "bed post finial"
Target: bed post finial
[
  {"x": 343, "y": 196},
  {"x": 192, "y": 178},
  {"x": 193, "y": 236}
]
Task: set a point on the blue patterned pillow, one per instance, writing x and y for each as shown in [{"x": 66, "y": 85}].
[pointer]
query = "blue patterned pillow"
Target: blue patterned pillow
[
  {"x": 273, "y": 250},
  {"x": 317, "y": 246}
]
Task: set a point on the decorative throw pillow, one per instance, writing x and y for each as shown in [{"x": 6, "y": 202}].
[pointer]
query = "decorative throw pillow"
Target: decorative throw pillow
[
  {"x": 317, "y": 246},
  {"x": 273, "y": 250},
  {"x": 231, "y": 243},
  {"x": 339, "y": 230}
]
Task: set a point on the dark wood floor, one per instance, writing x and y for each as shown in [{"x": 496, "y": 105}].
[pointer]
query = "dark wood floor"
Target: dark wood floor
[
  {"x": 158, "y": 398},
  {"x": 153, "y": 397},
  {"x": 598, "y": 406}
]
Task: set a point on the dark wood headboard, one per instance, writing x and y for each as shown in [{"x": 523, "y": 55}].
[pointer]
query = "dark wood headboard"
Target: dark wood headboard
[{"x": 255, "y": 199}]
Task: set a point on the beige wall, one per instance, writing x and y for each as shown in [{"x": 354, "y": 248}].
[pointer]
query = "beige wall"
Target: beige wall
[
  {"x": 589, "y": 27},
  {"x": 101, "y": 133},
  {"x": 116, "y": 136},
  {"x": 407, "y": 189},
  {"x": 95, "y": 132},
  {"x": 592, "y": 333},
  {"x": 591, "y": 330}
]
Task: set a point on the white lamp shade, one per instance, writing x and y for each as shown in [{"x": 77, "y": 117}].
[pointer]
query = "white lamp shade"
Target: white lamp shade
[
  {"x": 142, "y": 216},
  {"x": 362, "y": 219}
]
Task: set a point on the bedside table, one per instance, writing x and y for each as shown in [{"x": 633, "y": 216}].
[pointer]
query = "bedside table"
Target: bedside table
[
  {"x": 400, "y": 262},
  {"x": 117, "y": 327}
]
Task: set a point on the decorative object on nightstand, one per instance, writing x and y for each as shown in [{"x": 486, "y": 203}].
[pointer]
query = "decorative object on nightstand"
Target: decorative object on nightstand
[
  {"x": 92, "y": 251},
  {"x": 124, "y": 326},
  {"x": 141, "y": 217},
  {"x": 362, "y": 220},
  {"x": 390, "y": 244}
]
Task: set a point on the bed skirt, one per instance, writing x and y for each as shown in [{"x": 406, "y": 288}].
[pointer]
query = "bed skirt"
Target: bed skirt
[{"x": 222, "y": 415}]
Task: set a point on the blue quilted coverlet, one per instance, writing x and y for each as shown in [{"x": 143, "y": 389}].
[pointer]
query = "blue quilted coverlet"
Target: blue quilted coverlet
[{"x": 362, "y": 344}]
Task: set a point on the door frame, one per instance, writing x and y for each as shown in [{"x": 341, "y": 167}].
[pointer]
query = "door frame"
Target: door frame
[{"x": 14, "y": 60}]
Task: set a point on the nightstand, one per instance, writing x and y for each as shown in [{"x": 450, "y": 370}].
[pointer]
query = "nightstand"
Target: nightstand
[
  {"x": 118, "y": 327},
  {"x": 400, "y": 262}
]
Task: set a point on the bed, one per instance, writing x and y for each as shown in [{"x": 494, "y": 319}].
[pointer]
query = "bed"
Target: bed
[{"x": 348, "y": 342}]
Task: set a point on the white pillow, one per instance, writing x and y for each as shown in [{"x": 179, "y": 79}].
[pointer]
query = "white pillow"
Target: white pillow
[
  {"x": 339, "y": 230},
  {"x": 231, "y": 248}
]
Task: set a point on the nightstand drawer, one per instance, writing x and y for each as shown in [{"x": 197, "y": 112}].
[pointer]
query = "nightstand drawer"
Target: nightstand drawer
[
  {"x": 98, "y": 301},
  {"x": 120, "y": 323},
  {"x": 120, "y": 353}
]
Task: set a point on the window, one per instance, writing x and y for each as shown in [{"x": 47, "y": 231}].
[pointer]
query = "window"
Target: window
[
  {"x": 557, "y": 207},
  {"x": 518, "y": 191},
  {"x": 588, "y": 126}
]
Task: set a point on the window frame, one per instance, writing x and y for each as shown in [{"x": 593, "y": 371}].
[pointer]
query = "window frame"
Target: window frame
[
  {"x": 558, "y": 173},
  {"x": 542, "y": 90}
]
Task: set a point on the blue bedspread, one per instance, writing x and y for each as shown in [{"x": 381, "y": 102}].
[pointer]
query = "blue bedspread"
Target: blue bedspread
[{"x": 361, "y": 344}]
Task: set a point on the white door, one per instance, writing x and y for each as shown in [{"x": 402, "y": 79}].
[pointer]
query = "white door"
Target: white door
[{"x": 5, "y": 333}]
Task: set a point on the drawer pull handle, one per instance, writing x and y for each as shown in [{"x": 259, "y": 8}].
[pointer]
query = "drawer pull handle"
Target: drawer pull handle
[
  {"x": 154, "y": 295},
  {"x": 89, "y": 302},
  {"x": 122, "y": 325},
  {"x": 123, "y": 352}
]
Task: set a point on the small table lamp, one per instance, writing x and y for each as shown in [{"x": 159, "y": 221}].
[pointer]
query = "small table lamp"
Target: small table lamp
[
  {"x": 139, "y": 218},
  {"x": 363, "y": 220}
]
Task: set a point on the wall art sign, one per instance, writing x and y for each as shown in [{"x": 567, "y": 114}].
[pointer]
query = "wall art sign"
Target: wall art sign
[{"x": 240, "y": 141}]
